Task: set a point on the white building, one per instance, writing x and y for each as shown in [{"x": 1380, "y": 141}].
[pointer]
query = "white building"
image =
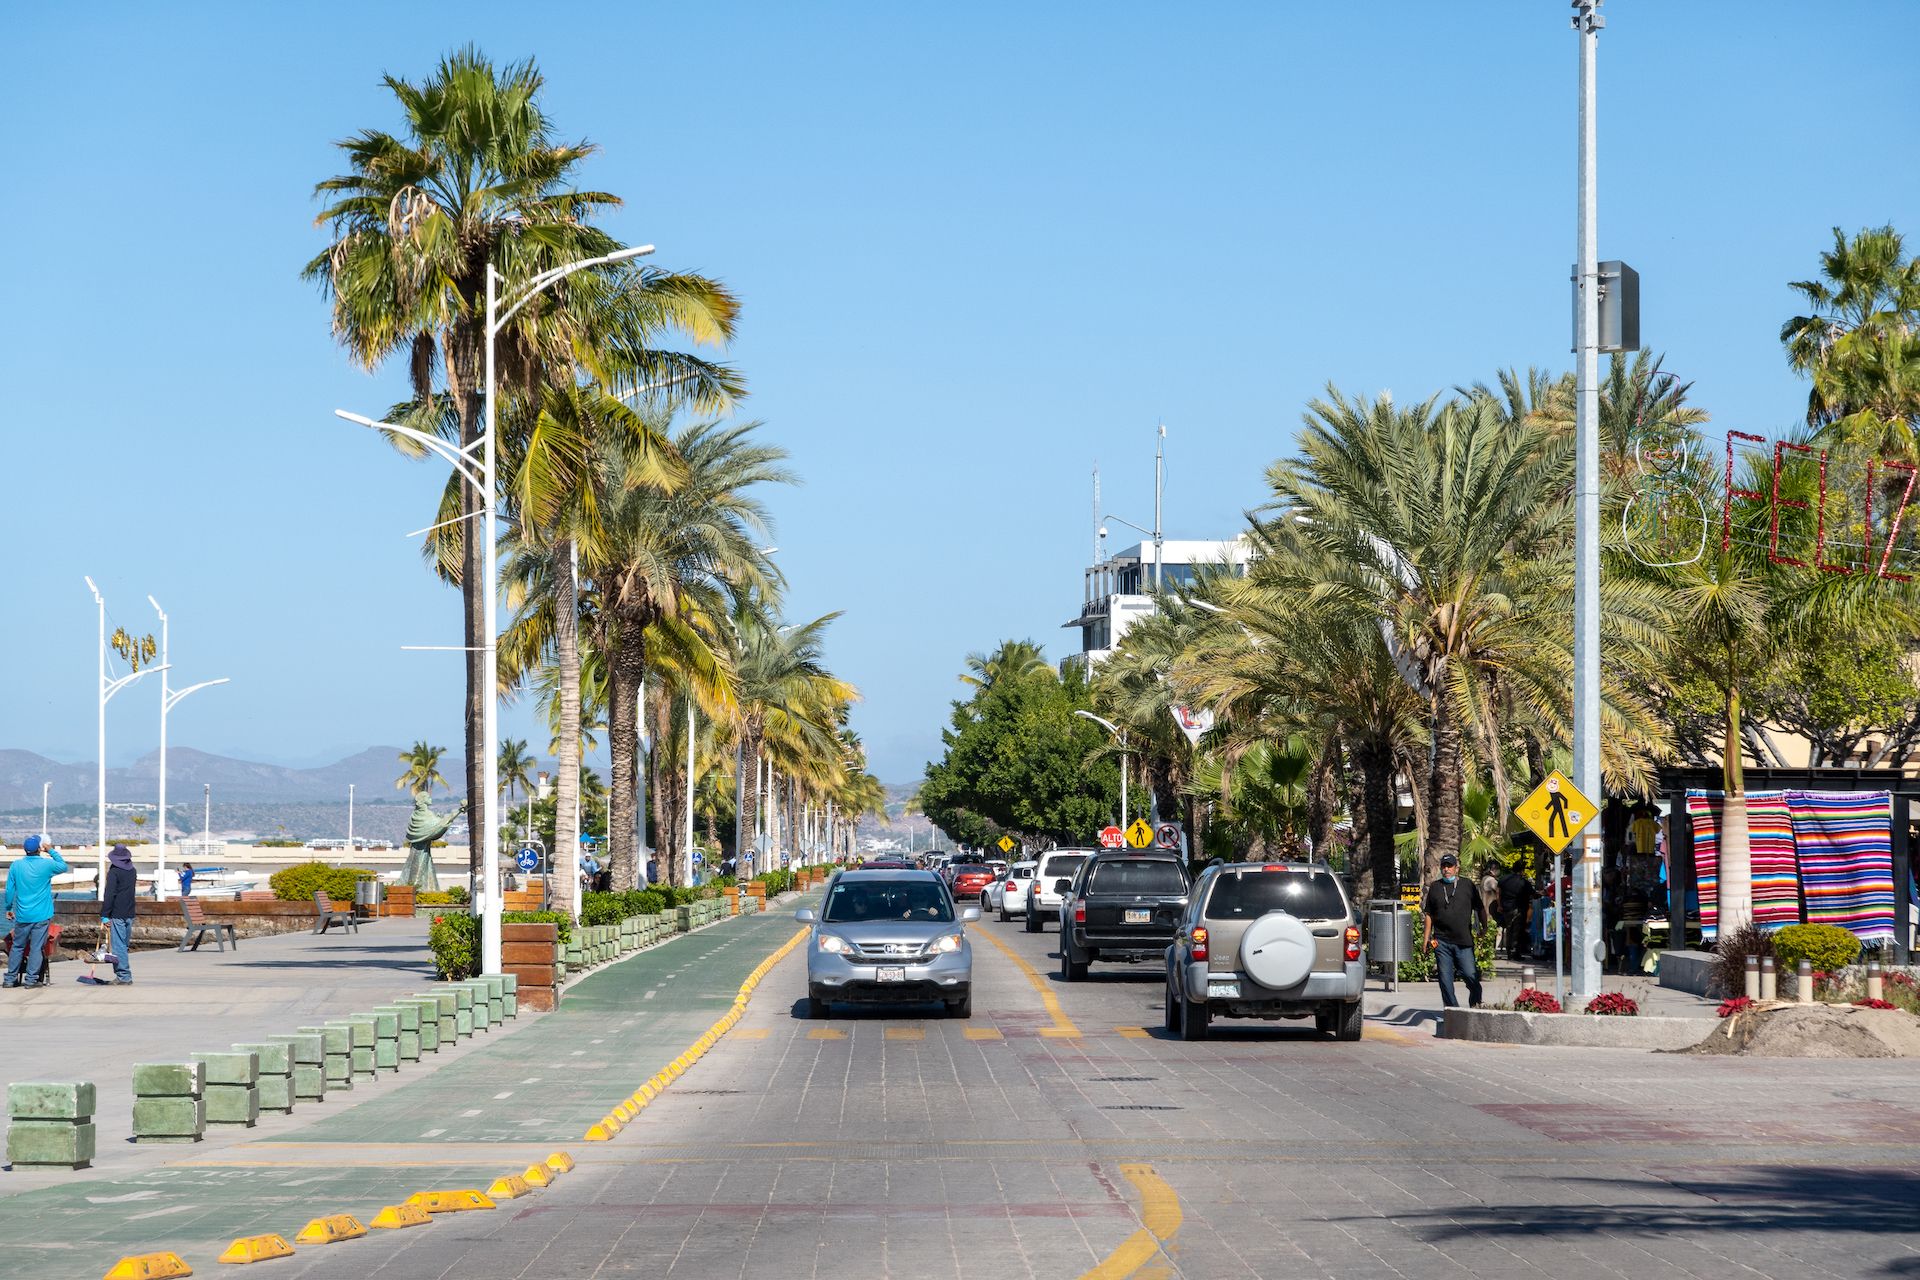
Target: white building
[{"x": 1119, "y": 590}]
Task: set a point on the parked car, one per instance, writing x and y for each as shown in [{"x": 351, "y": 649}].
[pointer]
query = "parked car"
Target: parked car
[
  {"x": 1043, "y": 900},
  {"x": 1008, "y": 894},
  {"x": 889, "y": 937},
  {"x": 968, "y": 879},
  {"x": 1266, "y": 940},
  {"x": 1121, "y": 905}
]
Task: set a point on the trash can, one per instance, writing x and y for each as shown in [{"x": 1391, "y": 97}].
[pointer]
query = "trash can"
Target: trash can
[
  {"x": 1389, "y": 936},
  {"x": 366, "y": 897}
]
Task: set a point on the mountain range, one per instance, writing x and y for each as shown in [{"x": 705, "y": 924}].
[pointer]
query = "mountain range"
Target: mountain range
[{"x": 370, "y": 773}]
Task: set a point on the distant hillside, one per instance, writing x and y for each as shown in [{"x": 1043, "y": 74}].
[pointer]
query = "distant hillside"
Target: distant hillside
[{"x": 371, "y": 773}]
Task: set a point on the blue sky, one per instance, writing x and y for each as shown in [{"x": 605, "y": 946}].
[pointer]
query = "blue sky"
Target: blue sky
[{"x": 979, "y": 246}]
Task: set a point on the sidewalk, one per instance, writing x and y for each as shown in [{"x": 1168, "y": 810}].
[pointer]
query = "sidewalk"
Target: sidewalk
[
  {"x": 489, "y": 1108},
  {"x": 1417, "y": 1004}
]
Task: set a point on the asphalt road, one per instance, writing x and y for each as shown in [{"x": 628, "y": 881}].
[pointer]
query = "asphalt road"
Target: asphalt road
[{"x": 1059, "y": 1133}]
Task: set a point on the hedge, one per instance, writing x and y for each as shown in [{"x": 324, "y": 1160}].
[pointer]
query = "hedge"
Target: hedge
[
  {"x": 454, "y": 938},
  {"x": 1828, "y": 946},
  {"x": 297, "y": 883}
]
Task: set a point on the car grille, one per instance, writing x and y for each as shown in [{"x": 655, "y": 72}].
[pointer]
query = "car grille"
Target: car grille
[{"x": 892, "y": 952}]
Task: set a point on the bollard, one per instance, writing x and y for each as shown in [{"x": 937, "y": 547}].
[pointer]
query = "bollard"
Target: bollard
[
  {"x": 407, "y": 1039},
  {"x": 232, "y": 1093},
  {"x": 360, "y": 1040},
  {"x": 336, "y": 1053},
  {"x": 1752, "y": 985},
  {"x": 1806, "y": 982},
  {"x": 448, "y": 1004},
  {"x": 1769, "y": 980},
  {"x": 496, "y": 984},
  {"x": 50, "y": 1126},
  {"x": 167, "y": 1102},
  {"x": 386, "y": 1039},
  {"x": 479, "y": 1006},
  {"x": 308, "y": 1054},
  {"x": 276, "y": 1074},
  {"x": 426, "y": 1011},
  {"x": 463, "y": 1019},
  {"x": 510, "y": 997},
  {"x": 1876, "y": 981},
  {"x": 1526, "y": 978}
]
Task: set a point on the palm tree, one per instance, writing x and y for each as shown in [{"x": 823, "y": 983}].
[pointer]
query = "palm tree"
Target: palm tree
[
  {"x": 476, "y": 181},
  {"x": 1868, "y": 291},
  {"x": 1014, "y": 659},
  {"x": 791, "y": 705},
  {"x": 515, "y": 767},
  {"x": 422, "y": 773}
]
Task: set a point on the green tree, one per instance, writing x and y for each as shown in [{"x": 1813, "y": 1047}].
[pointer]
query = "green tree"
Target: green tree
[
  {"x": 1856, "y": 340},
  {"x": 1014, "y": 658},
  {"x": 515, "y": 767},
  {"x": 422, "y": 773}
]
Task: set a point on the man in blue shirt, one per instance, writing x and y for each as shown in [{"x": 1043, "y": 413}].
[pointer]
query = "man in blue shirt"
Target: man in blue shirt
[{"x": 29, "y": 901}]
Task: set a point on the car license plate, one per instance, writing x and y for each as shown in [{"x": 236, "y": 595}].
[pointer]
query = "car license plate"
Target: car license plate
[
  {"x": 1223, "y": 991},
  {"x": 893, "y": 973},
  {"x": 1139, "y": 917}
]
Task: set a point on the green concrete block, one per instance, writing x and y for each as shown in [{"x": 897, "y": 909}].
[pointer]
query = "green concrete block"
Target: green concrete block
[
  {"x": 233, "y": 1104},
  {"x": 408, "y": 1014},
  {"x": 482, "y": 1015},
  {"x": 386, "y": 1054},
  {"x": 363, "y": 1064},
  {"x": 50, "y": 1144},
  {"x": 428, "y": 1018},
  {"x": 364, "y": 1030},
  {"x": 409, "y": 1043},
  {"x": 462, "y": 995},
  {"x": 230, "y": 1068},
  {"x": 169, "y": 1119},
  {"x": 309, "y": 1082},
  {"x": 168, "y": 1079},
  {"x": 276, "y": 1093},
  {"x": 275, "y": 1059},
  {"x": 386, "y": 1024},
  {"x": 496, "y": 985},
  {"x": 339, "y": 1069},
  {"x": 36, "y": 1100},
  {"x": 308, "y": 1049},
  {"x": 334, "y": 1037},
  {"x": 463, "y": 1022},
  {"x": 512, "y": 1004}
]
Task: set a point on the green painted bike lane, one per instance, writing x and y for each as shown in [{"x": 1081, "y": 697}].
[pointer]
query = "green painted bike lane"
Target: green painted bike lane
[{"x": 534, "y": 1090}]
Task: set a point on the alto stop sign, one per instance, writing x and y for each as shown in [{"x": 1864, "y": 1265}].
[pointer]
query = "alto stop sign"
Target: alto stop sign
[{"x": 1112, "y": 837}]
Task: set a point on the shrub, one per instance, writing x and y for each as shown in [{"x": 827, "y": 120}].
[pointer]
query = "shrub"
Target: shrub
[
  {"x": 1424, "y": 968},
  {"x": 1828, "y": 946},
  {"x": 454, "y": 939},
  {"x": 1729, "y": 976},
  {"x": 643, "y": 902},
  {"x": 435, "y": 898},
  {"x": 1533, "y": 1000},
  {"x": 1738, "y": 1004},
  {"x": 1613, "y": 1004},
  {"x": 1875, "y": 1004},
  {"x": 297, "y": 883},
  {"x": 598, "y": 909},
  {"x": 457, "y": 893}
]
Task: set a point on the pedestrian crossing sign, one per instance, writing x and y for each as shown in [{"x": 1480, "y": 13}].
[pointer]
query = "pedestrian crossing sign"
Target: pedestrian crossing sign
[
  {"x": 1008, "y": 844},
  {"x": 1556, "y": 811},
  {"x": 1139, "y": 835}
]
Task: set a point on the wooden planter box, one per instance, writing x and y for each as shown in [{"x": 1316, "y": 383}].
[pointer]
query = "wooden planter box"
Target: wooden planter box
[{"x": 530, "y": 954}]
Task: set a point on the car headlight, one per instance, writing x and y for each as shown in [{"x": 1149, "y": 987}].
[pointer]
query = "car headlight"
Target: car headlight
[
  {"x": 834, "y": 945},
  {"x": 947, "y": 942}
]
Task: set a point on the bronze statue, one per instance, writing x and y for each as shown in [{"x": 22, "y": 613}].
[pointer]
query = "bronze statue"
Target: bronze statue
[{"x": 422, "y": 830}]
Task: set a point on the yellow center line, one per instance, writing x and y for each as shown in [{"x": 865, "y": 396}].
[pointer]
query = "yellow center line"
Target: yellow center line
[
  {"x": 1160, "y": 1217},
  {"x": 751, "y": 1033},
  {"x": 826, "y": 1033},
  {"x": 906, "y": 1033},
  {"x": 1062, "y": 1027},
  {"x": 981, "y": 1033},
  {"x": 1134, "y": 1033}
]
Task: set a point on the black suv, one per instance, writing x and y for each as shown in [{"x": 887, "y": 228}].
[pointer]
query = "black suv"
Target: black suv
[{"x": 1120, "y": 906}]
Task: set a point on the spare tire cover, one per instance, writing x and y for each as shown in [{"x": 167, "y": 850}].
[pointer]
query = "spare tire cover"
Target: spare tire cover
[{"x": 1277, "y": 950}]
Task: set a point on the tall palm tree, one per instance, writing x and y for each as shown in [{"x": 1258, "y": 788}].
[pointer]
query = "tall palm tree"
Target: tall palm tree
[
  {"x": 1867, "y": 291},
  {"x": 515, "y": 767},
  {"x": 1013, "y": 660},
  {"x": 422, "y": 773},
  {"x": 790, "y": 703}
]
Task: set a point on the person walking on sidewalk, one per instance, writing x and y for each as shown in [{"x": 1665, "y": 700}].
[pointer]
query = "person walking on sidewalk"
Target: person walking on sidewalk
[
  {"x": 116, "y": 912},
  {"x": 1451, "y": 908},
  {"x": 29, "y": 902}
]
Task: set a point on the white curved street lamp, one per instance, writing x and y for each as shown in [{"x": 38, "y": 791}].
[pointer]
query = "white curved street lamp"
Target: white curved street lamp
[
  {"x": 107, "y": 688},
  {"x": 169, "y": 698},
  {"x": 1120, "y": 735}
]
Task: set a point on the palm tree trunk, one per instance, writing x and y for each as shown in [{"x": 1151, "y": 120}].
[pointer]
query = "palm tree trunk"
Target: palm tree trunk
[
  {"x": 624, "y": 671},
  {"x": 566, "y": 791},
  {"x": 463, "y": 378},
  {"x": 1445, "y": 788},
  {"x": 1377, "y": 804}
]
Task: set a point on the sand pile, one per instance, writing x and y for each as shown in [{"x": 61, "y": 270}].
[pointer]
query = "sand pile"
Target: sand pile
[{"x": 1816, "y": 1031}]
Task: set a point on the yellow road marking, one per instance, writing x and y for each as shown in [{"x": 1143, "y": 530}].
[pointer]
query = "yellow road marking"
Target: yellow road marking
[
  {"x": 906, "y": 1033},
  {"x": 1062, "y": 1025},
  {"x": 826, "y": 1033},
  {"x": 1134, "y": 1033},
  {"x": 751, "y": 1033},
  {"x": 981, "y": 1033},
  {"x": 1388, "y": 1035},
  {"x": 1160, "y": 1217}
]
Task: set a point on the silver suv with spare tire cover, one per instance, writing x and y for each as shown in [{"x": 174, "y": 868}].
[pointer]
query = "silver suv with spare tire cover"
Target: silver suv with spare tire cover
[{"x": 1266, "y": 940}]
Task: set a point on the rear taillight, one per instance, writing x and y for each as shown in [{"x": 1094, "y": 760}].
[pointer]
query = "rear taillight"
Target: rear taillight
[
  {"x": 1197, "y": 945},
  {"x": 1353, "y": 942},
  {"x": 1080, "y": 911}
]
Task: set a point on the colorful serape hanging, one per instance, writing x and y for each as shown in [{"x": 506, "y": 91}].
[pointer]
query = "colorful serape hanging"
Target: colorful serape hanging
[
  {"x": 1775, "y": 870},
  {"x": 1845, "y": 840}
]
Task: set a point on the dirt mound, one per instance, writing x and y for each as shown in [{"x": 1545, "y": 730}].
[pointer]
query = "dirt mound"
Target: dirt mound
[{"x": 1816, "y": 1031}]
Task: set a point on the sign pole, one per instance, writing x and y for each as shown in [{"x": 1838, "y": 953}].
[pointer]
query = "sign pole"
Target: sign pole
[{"x": 1559, "y": 929}]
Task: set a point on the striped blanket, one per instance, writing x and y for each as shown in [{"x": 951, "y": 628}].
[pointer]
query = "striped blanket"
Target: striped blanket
[
  {"x": 1846, "y": 857},
  {"x": 1770, "y": 839}
]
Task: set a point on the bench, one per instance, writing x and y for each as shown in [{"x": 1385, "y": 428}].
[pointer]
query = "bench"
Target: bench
[
  {"x": 198, "y": 927},
  {"x": 326, "y": 914}
]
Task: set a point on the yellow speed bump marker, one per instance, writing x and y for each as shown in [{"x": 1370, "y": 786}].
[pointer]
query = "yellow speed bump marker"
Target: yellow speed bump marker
[
  {"x": 596, "y": 1133},
  {"x": 257, "y": 1249},
  {"x": 538, "y": 1175},
  {"x": 149, "y": 1266},
  {"x": 333, "y": 1227},
  {"x": 560, "y": 1162},
  {"x": 396, "y": 1216},
  {"x": 511, "y": 1187},
  {"x": 449, "y": 1201}
]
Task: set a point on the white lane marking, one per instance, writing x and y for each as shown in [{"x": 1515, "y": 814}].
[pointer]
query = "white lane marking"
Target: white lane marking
[
  {"x": 433, "y": 1133},
  {"x": 501, "y": 1096},
  {"x": 579, "y": 1053},
  {"x": 474, "y": 1112},
  {"x": 531, "y": 1080}
]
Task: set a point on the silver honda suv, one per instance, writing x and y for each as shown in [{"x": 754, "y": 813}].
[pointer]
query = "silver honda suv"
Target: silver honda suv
[
  {"x": 1266, "y": 940},
  {"x": 889, "y": 937}
]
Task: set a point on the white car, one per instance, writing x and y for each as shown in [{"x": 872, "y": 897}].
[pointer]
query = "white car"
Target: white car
[
  {"x": 1043, "y": 900},
  {"x": 1008, "y": 894}
]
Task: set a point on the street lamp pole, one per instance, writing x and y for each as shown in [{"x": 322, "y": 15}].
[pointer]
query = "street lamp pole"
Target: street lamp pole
[
  {"x": 691, "y": 715},
  {"x": 44, "y": 788},
  {"x": 106, "y": 689},
  {"x": 350, "y": 817},
  {"x": 1120, "y": 735},
  {"x": 1159, "y": 476},
  {"x": 168, "y": 698}
]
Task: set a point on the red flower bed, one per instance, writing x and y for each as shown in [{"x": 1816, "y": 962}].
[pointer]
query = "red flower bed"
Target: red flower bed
[
  {"x": 1613, "y": 1004},
  {"x": 1533, "y": 1000},
  {"x": 1875, "y": 1004},
  {"x": 1739, "y": 1004}
]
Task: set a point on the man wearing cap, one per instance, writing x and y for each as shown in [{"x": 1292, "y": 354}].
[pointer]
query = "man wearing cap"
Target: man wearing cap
[
  {"x": 29, "y": 902},
  {"x": 1452, "y": 908}
]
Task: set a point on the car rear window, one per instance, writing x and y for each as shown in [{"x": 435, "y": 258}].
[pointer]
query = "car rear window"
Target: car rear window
[
  {"x": 1064, "y": 865},
  {"x": 1243, "y": 895},
  {"x": 1020, "y": 873},
  {"x": 1143, "y": 876},
  {"x": 972, "y": 869}
]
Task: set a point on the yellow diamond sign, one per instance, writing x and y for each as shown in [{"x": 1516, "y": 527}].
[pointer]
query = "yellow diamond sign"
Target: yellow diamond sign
[
  {"x": 1139, "y": 835},
  {"x": 1007, "y": 844},
  {"x": 1556, "y": 811}
]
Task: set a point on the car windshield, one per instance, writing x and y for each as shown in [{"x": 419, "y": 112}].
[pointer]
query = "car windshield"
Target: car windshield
[
  {"x": 1126, "y": 875},
  {"x": 1243, "y": 895},
  {"x": 920, "y": 900}
]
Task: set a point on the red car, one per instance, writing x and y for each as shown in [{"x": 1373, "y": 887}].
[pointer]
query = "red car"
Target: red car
[{"x": 969, "y": 878}]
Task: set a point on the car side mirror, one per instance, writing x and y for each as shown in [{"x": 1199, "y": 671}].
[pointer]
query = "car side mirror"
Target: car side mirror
[
  {"x": 969, "y": 914},
  {"x": 1062, "y": 886},
  {"x": 805, "y": 915}
]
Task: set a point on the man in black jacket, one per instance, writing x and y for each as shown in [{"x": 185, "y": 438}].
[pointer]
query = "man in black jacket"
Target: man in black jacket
[
  {"x": 1452, "y": 907},
  {"x": 116, "y": 912}
]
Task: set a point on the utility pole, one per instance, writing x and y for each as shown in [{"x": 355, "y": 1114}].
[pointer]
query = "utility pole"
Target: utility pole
[
  {"x": 1159, "y": 480},
  {"x": 1588, "y": 947},
  {"x": 350, "y": 818}
]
